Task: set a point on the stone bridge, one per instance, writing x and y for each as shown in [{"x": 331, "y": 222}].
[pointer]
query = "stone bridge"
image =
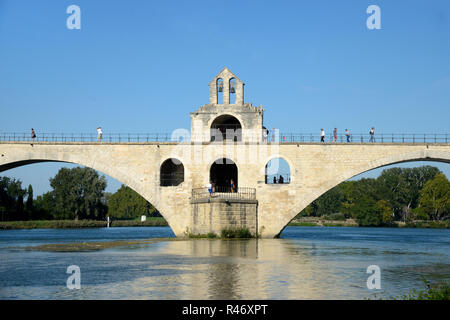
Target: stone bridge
[{"x": 314, "y": 169}]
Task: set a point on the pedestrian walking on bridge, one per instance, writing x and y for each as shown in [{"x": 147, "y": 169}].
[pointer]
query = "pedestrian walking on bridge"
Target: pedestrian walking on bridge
[
  {"x": 33, "y": 136},
  {"x": 372, "y": 134},
  {"x": 99, "y": 134}
]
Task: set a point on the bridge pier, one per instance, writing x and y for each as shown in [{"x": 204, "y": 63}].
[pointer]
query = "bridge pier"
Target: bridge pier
[{"x": 214, "y": 214}]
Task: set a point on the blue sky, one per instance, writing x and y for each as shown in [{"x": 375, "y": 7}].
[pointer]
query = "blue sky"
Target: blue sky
[{"x": 142, "y": 66}]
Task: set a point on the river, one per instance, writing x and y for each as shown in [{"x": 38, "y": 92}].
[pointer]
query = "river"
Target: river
[{"x": 305, "y": 263}]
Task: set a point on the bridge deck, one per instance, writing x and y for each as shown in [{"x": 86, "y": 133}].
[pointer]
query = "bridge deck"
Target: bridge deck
[{"x": 222, "y": 143}]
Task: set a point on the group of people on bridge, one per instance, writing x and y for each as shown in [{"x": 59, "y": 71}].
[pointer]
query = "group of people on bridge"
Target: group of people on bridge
[{"x": 347, "y": 135}]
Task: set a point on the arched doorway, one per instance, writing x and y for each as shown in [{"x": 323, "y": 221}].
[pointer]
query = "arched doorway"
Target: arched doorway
[
  {"x": 226, "y": 127},
  {"x": 171, "y": 173},
  {"x": 222, "y": 172}
]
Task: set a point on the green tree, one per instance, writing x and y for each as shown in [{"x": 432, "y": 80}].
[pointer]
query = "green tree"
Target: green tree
[
  {"x": 366, "y": 213},
  {"x": 401, "y": 187},
  {"x": 78, "y": 194},
  {"x": 329, "y": 202},
  {"x": 128, "y": 204},
  {"x": 435, "y": 197},
  {"x": 29, "y": 208},
  {"x": 11, "y": 199},
  {"x": 44, "y": 207},
  {"x": 385, "y": 211}
]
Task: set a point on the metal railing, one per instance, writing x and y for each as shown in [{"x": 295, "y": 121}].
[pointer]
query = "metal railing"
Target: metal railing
[
  {"x": 243, "y": 193},
  {"x": 364, "y": 138},
  {"x": 279, "y": 138},
  {"x": 92, "y": 137}
]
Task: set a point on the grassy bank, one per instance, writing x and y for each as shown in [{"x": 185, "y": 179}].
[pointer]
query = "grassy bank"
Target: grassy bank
[
  {"x": 63, "y": 224},
  {"x": 320, "y": 222}
]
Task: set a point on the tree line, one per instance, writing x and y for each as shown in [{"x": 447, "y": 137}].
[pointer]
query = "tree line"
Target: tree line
[
  {"x": 398, "y": 194},
  {"x": 77, "y": 194}
]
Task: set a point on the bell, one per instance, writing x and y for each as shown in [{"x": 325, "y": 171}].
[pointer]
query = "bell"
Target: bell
[{"x": 220, "y": 87}]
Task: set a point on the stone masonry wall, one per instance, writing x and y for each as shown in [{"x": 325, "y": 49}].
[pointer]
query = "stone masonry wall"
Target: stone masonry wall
[{"x": 215, "y": 215}]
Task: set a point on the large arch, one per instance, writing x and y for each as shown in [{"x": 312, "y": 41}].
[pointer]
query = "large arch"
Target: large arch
[
  {"x": 352, "y": 171},
  {"x": 104, "y": 159},
  {"x": 17, "y": 164}
]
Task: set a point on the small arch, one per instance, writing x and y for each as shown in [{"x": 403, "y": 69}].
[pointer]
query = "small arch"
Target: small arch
[
  {"x": 219, "y": 91},
  {"x": 222, "y": 172},
  {"x": 171, "y": 173},
  {"x": 277, "y": 171},
  {"x": 226, "y": 127},
  {"x": 233, "y": 88}
]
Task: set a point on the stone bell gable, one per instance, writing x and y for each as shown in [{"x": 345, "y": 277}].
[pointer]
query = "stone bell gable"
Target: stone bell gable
[{"x": 226, "y": 112}]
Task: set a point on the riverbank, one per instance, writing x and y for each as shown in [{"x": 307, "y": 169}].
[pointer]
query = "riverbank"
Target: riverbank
[
  {"x": 161, "y": 222},
  {"x": 65, "y": 224},
  {"x": 320, "y": 222}
]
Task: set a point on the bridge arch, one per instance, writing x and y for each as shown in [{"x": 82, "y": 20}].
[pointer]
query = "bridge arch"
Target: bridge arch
[
  {"x": 122, "y": 178},
  {"x": 354, "y": 170},
  {"x": 95, "y": 158}
]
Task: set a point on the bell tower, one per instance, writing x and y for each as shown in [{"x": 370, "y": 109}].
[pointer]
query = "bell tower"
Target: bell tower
[
  {"x": 226, "y": 84},
  {"x": 227, "y": 117}
]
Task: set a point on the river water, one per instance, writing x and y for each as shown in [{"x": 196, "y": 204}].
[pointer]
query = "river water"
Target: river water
[{"x": 305, "y": 263}]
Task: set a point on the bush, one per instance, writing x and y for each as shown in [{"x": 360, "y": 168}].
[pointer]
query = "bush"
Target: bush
[
  {"x": 236, "y": 233},
  {"x": 209, "y": 235},
  {"x": 440, "y": 291}
]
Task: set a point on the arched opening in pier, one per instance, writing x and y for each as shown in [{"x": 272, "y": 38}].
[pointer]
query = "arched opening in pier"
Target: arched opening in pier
[
  {"x": 171, "y": 173},
  {"x": 277, "y": 171},
  {"x": 222, "y": 174},
  {"x": 226, "y": 127}
]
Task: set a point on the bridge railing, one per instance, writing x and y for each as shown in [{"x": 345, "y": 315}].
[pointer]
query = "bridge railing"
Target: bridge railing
[
  {"x": 277, "y": 138},
  {"x": 363, "y": 138},
  {"x": 243, "y": 193},
  {"x": 92, "y": 137}
]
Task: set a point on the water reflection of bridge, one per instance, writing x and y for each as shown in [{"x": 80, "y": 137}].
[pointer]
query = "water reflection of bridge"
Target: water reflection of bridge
[{"x": 246, "y": 269}]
